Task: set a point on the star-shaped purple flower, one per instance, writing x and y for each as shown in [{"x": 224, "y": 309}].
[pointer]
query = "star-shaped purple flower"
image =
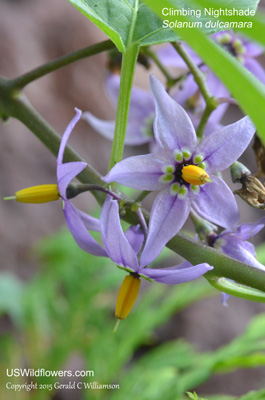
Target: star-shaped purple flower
[
  {"x": 123, "y": 249},
  {"x": 77, "y": 221},
  {"x": 142, "y": 109},
  {"x": 163, "y": 171}
]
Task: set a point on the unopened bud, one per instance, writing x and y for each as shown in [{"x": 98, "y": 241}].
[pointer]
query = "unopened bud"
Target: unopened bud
[{"x": 238, "y": 171}]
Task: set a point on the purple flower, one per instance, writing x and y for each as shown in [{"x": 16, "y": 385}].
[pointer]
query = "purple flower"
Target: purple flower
[
  {"x": 123, "y": 249},
  {"x": 170, "y": 171},
  {"x": 235, "y": 245},
  {"x": 237, "y": 46},
  {"x": 77, "y": 221},
  {"x": 140, "y": 119},
  {"x": 142, "y": 109}
]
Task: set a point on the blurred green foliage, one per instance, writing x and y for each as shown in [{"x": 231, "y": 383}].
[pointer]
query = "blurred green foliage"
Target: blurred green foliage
[{"x": 64, "y": 318}]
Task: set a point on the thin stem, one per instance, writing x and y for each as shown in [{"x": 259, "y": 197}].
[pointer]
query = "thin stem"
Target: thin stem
[
  {"x": 224, "y": 266},
  {"x": 74, "y": 189},
  {"x": 21, "y": 109},
  {"x": 129, "y": 60},
  {"x": 210, "y": 107},
  {"x": 195, "y": 252},
  {"x": 170, "y": 80},
  {"x": 127, "y": 72},
  {"x": 142, "y": 196},
  {"x": 211, "y": 102},
  {"x": 221, "y": 100},
  {"x": 234, "y": 289},
  {"x": 142, "y": 221},
  {"x": 20, "y": 82},
  {"x": 195, "y": 70}
]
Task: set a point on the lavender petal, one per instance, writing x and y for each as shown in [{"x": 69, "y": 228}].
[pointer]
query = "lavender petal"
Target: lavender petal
[
  {"x": 223, "y": 147},
  {"x": 179, "y": 274},
  {"x": 168, "y": 215},
  {"x": 173, "y": 128},
  {"x": 135, "y": 237},
  {"x": 115, "y": 242},
  {"x": 216, "y": 202},
  {"x": 79, "y": 231},
  {"x": 67, "y": 134},
  {"x": 256, "y": 69},
  {"x": 66, "y": 172},
  {"x": 139, "y": 172}
]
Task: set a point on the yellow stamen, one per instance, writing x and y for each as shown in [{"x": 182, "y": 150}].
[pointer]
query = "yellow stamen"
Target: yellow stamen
[
  {"x": 38, "y": 194},
  {"x": 195, "y": 175},
  {"x": 127, "y": 296},
  {"x": 116, "y": 325}
]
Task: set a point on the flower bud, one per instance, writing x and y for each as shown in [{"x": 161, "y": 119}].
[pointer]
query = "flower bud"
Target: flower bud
[
  {"x": 195, "y": 175},
  {"x": 38, "y": 194},
  {"x": 238, "y": 171},
  {"x": 127, "y": 296}
]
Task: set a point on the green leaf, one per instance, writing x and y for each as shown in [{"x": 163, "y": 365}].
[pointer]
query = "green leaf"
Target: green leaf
[
  {"x": 11, "y": 290},
  {"x": 260, "y": 252},
  {"x": 194, "y": 396},
  {"x": 131, "y": 21},
  {"x": 125, "y": 21},
  {"x": 254, "y": 395},
  {"x": 246, "y": 88}
]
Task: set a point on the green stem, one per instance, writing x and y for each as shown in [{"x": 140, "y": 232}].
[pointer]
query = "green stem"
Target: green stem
[
  {"x": 142, "y": 196},
  {"x": 20, "y": 82},
  {"x": 127, "y": 72},
  {"x": 195, "y": 252},
  {"x": 210, "y": 107},
  {"x": 211, "y": 102},
  {"x": 74, "y": 189},
  {"x": 224, "y": 266},
  {"x": 234, "y": 289},
  {"x": 170, "y": 80},
  {"x": 129, "y": 60},
  {"x": 195, "y": 70},
  {"x": 21, "y": 109}
]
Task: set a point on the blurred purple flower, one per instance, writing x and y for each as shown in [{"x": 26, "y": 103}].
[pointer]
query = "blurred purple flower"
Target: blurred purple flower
[
  {"x": 235, "y": 244},
  {"x": 164, "y": 171},
  {"x": 77, "y": 221},
  {"x": 237, "y": 46},
  {"x": 142, "y": 109},
  {"x": 124, "y": 248},
  {"x": 140, "y": 119}
]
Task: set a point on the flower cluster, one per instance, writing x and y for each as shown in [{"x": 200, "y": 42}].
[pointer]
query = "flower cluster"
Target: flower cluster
[
  {"x": 183, "y": 170},
  {"x": 236, "y": 45}
]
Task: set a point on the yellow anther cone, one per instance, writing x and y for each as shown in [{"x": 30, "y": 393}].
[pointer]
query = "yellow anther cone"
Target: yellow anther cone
[
  {"x": 38, "y": 194},
  {"x": 127, "y": 295},
  {"x": 195, "y": 175}
]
